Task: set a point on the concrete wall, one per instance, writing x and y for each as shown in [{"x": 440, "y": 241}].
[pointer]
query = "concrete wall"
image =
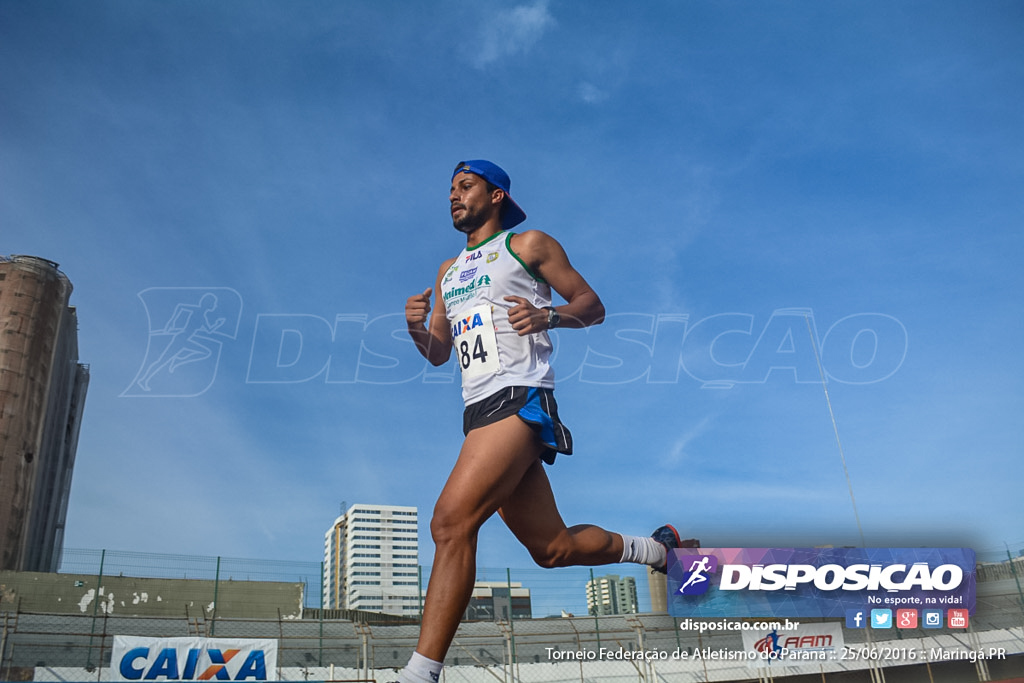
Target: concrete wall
[{"x": 126, "y": 596}]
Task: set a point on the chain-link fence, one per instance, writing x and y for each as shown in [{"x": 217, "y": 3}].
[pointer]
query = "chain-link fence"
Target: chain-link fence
[
  {"x": 641, "y": 648},
  {"x": 74, "y": 640},
  {"x": 552, "y": 592}
]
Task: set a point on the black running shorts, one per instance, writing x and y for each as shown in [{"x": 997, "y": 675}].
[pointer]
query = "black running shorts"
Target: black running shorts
[{"x": 536, "y": 407}]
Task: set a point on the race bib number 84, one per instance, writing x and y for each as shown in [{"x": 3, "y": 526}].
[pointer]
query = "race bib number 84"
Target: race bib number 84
[{"x": 476, "y": 345}]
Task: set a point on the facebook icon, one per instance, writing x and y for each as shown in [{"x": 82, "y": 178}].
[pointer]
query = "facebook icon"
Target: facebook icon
[{"x": 855, "y": 618}]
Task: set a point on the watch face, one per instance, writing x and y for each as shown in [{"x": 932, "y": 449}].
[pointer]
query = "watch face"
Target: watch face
[{"x": 553, "y": 317}]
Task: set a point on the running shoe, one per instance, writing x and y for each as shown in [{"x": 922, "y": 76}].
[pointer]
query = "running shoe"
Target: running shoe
[{"x": 669, "y": 537}]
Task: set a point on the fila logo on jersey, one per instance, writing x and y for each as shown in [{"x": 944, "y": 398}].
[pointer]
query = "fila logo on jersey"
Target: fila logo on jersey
[{"x": 466, "y": 324}]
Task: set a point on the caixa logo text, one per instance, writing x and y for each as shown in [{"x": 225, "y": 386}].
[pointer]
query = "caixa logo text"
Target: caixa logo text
[{"x": 167, "y": 664}]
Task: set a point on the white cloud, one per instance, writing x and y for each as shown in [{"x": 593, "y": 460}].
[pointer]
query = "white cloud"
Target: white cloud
[
  {"x": 514, "y": 31},
  {"x": 591, "y": 94},
  {"x": 678, "y": 453}
]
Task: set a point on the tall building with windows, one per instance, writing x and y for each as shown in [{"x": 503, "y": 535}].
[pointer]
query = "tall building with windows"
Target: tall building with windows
[
  {"x": 611, "y": 594},
  {"x": 371, "y": 560},
  {"x": 42, "y": 395}
]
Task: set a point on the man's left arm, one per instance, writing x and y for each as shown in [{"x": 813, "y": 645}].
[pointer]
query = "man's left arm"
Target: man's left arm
[{"x": 546, "y": 257}]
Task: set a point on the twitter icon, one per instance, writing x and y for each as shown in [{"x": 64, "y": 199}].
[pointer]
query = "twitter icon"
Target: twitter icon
[{"x": 881, "y": 618}]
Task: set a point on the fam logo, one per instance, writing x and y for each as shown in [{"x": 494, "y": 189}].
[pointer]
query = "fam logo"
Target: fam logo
[
  {"x": 795, "y": 643},
  {"x": 188, "y": 327},
  {"x": 697, "y": 572}
]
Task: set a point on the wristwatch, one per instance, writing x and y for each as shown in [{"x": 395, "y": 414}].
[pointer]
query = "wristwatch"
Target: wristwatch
[{"x": 553, "y": 317}]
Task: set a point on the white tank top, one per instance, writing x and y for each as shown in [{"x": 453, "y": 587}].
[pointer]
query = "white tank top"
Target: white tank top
[{"x": 490, "y": 353}]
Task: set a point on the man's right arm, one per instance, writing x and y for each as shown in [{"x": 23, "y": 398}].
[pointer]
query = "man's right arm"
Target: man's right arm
[{"x": 431, "y": 334}]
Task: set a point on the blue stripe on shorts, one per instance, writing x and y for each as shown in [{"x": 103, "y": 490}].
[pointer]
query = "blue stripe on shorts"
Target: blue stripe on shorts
[{"x": 534, "y": 413}]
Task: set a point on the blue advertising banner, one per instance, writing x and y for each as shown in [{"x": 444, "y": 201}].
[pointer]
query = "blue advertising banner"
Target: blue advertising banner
[{"x": 818, "y": 582}]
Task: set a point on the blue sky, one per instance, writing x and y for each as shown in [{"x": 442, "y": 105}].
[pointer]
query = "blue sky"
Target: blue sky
[{"x": 734, "y": 179}]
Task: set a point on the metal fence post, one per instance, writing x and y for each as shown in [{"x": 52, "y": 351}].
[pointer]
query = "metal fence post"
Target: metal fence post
[
  {"x": 216, "y": 587},
  {"x": 1013, "y": 570},
  {"x": 647, "y": 670},
  {"x": 3, "y": 643},
  {"x": 511, "y": 620},
  {"x": 364, "y": 632},
  {"x": 103, "y": 640},
  {"x": 980, "y": 665},
  {"x": 419, "y": 582},
  {"x": 506, "y": 659},
  {"x": 95, "y": 606},
  {"x": 320, "y": 656},
  {"x": 579, "y": 646}
]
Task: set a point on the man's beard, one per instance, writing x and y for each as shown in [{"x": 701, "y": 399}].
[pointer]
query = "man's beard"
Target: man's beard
[{"x": 468, "y": 222}]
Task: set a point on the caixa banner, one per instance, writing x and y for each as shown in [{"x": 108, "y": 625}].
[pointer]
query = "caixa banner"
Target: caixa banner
[
  {"x": 193, "y": 659},
  {"x": 817, "y": 582}
]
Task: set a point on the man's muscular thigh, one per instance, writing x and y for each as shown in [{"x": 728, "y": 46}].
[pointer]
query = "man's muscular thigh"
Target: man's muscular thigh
[{"x": 490, "y": 466}]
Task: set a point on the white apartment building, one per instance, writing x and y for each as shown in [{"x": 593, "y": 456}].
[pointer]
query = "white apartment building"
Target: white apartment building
[
  {"x": 611, "y": 594},
  {"x": 371, "y": 560}
]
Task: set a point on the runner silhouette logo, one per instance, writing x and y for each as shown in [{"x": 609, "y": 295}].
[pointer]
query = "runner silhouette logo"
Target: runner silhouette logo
[{"x": 698, "y": 571}]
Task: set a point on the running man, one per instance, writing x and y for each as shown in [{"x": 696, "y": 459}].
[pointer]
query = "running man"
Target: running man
[
  {"x": 698, "y": 569},
  {"x": 189, "y": 326},
  {"x": 492, "y": 305}
]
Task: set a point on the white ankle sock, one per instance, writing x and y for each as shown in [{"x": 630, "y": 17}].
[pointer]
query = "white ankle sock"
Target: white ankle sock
[
  {"x": 421, "y": 670},
  {"x": 643, "y": 550}
]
